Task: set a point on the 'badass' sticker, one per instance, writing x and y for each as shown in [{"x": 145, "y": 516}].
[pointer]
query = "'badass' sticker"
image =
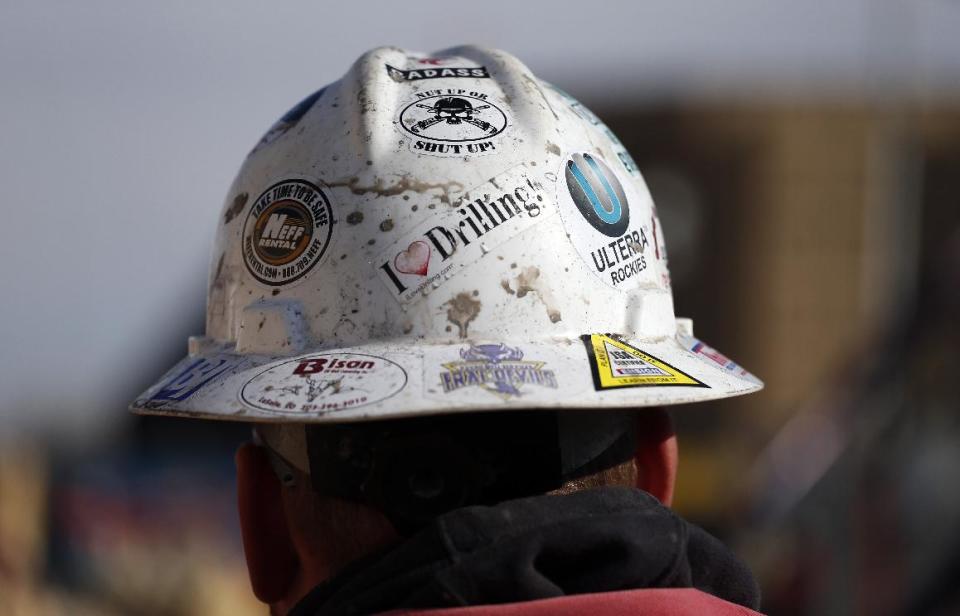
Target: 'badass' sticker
[
  {"x": 287, "y": 232},
  {"x": 607, "y": 221},
  {"x": 416, "y": 74}
]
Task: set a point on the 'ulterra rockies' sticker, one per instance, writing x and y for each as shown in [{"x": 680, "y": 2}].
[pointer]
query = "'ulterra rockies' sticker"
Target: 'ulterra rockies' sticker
[
  {"x": 452, "y": 122},
  {"x": 609, "y": 235},
  {"x": 287, "y": 232},
  {"x": 324, "y": 383}
]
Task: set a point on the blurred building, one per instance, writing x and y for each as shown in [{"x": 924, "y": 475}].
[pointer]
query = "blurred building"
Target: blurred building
[{"x": 820, "y": 244}]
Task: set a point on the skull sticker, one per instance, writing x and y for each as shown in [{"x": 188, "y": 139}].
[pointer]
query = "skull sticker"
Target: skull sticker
[
  {"x": 453, "y": 110},
  {"x": 452, "y": 123}
]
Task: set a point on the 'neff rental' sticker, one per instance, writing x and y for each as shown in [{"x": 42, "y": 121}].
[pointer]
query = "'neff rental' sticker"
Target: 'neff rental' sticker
[{"x": 287, "y": 232}]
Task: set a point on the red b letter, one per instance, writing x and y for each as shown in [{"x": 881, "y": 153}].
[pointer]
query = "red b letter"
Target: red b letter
[{"x": 311, "y": 366}]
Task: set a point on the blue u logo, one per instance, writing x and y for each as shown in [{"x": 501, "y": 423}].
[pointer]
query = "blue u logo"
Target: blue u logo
[{"x": 597, "y": 194}]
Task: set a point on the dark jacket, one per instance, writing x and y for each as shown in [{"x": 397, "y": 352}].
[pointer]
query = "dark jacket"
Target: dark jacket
[{"x": 605, "y": 551}]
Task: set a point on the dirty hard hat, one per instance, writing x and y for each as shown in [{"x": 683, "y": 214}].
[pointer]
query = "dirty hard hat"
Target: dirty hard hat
[{"x": 438, "y": 234}]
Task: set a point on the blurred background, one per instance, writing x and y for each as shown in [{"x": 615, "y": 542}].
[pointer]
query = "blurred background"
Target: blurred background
[{"x": 805, "y": 159}]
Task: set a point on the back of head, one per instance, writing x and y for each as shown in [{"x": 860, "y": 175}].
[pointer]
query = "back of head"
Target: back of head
[{"x": 413, "y": 470}]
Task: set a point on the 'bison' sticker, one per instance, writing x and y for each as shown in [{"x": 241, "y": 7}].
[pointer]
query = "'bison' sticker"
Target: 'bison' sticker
[{"x": 323, "y": 383}]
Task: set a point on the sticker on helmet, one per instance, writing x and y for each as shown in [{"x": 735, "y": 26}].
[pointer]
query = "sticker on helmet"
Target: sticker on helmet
[
  {"x": 452, "y": 122},
  {"x": 711, "y": 355},
  {"x": 288, "y": 121},
  {"x": 616, "y": 364},
  {"x": 192, "y": 377},
  {"x": 605, "y": 221},
  {"x": 584, "y": 112},
  {"x": 400, "y": 75},
  {"x": 492, "y": 372},
  {"x": 496, "y": 368},
  {"x": 287, "y": 232},
  {"x": 598, "y": 194},
  {"x": 482, "y": 219},
  {"x": 323, "y": 383}
]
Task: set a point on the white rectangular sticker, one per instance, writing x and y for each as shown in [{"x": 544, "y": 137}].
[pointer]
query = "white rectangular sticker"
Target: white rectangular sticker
[
  {"x": 459, "y": 235},
  {"x": 478, "y": 373}
]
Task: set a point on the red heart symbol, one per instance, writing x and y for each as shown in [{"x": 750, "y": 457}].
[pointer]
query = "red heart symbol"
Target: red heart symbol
[{"x": 414, "y": 260}]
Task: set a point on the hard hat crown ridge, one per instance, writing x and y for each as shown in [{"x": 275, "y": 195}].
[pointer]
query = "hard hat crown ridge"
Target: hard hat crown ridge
[{"x": 437, "y": 233}]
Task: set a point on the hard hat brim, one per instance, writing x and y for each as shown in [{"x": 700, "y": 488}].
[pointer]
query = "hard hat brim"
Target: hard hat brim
[{"x": 392, "y": 380}]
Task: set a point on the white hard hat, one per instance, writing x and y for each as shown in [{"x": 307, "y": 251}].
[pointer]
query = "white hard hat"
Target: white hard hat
[{"x": 437, "y": 234}]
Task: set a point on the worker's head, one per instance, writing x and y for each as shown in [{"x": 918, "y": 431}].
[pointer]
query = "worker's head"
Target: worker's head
[
  {"x": 435, "y": 235},
  {"x": 313, "y": 500}
]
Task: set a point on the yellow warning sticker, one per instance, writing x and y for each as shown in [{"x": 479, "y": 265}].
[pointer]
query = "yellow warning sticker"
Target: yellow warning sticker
[{"x": 615, "y": 363}]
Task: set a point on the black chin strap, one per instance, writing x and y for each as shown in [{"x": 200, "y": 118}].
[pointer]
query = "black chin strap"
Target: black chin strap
[{"x": 416, "y": 469}]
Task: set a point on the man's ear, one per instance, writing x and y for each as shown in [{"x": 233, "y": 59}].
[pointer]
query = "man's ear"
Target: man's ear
[
  {"x": 271, "y": 558},
  {"x": 656, "y": 453}
]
